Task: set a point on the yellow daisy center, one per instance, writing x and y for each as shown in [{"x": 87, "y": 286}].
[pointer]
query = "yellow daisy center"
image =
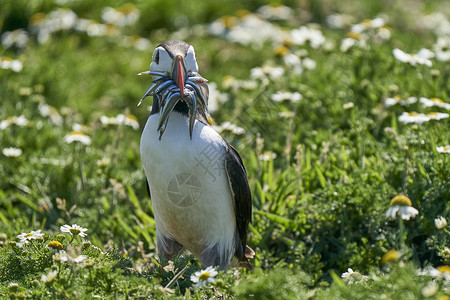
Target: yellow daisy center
[
  {"x": 229, "y": 21},
  {"x": 76, "y": 133},
  {"x": 204, "y": 276},
  {"x": 437, "y": 100},
  {"x": 444, "y": 269},
  {"x": 29, "y": 234},
  {"x": 354, "y": 35},
  {"x": 55, "y": 245},
  {"x": 413, "y": 114},
  {"x": 391, "y": 256},
  {"x": 281, "y": 50},
  {"x": 401, "y": 200}
]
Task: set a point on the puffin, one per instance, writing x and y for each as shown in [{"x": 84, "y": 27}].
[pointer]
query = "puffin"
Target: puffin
[{"x": 197, "y": 182}]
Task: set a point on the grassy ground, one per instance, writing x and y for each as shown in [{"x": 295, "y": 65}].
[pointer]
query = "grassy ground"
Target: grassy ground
[{"x": 324, "y": 159}]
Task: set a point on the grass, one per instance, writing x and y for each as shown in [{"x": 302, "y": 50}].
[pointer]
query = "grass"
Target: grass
[{"x": 322, "y": 170}]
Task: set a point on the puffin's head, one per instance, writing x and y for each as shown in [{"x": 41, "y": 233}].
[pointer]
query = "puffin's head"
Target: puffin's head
[
  {"x": 176, "y": 59},
  {"x": 175, "y": 78}
]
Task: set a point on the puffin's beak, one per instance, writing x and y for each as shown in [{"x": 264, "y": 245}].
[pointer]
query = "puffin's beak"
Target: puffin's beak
[{"x": 179, "y": 73}]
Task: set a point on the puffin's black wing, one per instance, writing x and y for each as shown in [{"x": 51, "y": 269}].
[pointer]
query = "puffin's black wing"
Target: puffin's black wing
[{"x": 237, "y": 177}]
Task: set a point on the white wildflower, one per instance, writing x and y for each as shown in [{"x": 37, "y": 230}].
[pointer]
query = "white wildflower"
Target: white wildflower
[
  {"x": 401, "y": 205},
  {"x": 11, "y": 64},
  {"x": 304, "y": 34},
  {"x": 33, "y": 235},
  {"x": 442, "y": 48},
  {"x": 204, "y": 277},
  {"x": 18, "y": 37},
  {"x": 275, "y": 11},
  {"x": 50, "y": 277},
  {"x": 434, "y": 102},
  {"x": 77, "y": 136},
  {"x": 286, "y": 96},
  {"x": 413, "y": 117},
  {"x": 422, "y": 57},
  {"x": 440, "y": 222},
  {"x": 352, "y": 276},
  {"x": 74, "y": 230},
  {"x": 12, "y": 152},
  {"x": 443, "y": 149}
]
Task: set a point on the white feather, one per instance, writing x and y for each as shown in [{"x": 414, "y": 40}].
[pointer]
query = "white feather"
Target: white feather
[{"x": 208, "y": 222}]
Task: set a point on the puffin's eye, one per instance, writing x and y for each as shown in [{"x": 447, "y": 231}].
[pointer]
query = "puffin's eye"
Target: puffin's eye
[{"x": 157, "y": 57}]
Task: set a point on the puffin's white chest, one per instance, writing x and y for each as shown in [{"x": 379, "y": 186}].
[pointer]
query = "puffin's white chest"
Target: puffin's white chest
[{"x": 189, "y": 187}]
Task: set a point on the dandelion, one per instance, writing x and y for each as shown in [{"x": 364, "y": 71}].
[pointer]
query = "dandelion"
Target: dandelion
[
  {"x": 202, "y": 277},
  {"x": 74, "y": 230},
  {"x": 49, "y": 278},
  {"x": 440, "y": 222},
  {"x": 391, "y": 255},
  {"x": 77, "y": 136},
  {"x": 434, "y": 102},
  {"x": 351, "y": 276},
  {"x": 402, "y": 206},
  {"x": 443, "y": 149},
  {"x": 12, "y": 152},
  {"x": 422, "y": 57},
  {"x": 33, "y": 235},
  {"x": 286, "y": 96}
]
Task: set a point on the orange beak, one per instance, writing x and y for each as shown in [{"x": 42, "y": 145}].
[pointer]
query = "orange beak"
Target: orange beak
[{"x": 179, "y": 73}]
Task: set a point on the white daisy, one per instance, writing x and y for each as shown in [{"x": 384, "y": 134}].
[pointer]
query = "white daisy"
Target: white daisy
[
  {"x": 434, "y": 102},
  {"x": 17, "y": 37},
  {"x": 202, "y": 277},
  {"x": 443, "y": 149},
  {"x": 286, "y": 96},
  {"x": 413, "y": 117},
  {"x": 12, "y": 152},
  {"x": 267, "y": 156},
  {"x": 351, "y": 276},
  {"x": 11, "y": 64},
  {"x": 48, "y": 278},
  {"x": 77, "y": 136},
  {"x": 52, "y": 113},
  {"x": 74, "y": 230},
  {"x": 402, "y": 206},
  {"x": 442, "y": 48},
  {"x": 304, "y": 34},
  {"x": 422, "y": 57},
  {"x": 440, "y": 222},
  {"x": 275, "y": 11},
  {"x": 33, "y": 235},
  {"x": 437, "y": 116},
  {"x": 125, "y": 15}
]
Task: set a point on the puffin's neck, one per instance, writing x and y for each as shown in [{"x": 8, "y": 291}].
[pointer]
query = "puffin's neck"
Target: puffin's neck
[{"x": 182, "y": 108}]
